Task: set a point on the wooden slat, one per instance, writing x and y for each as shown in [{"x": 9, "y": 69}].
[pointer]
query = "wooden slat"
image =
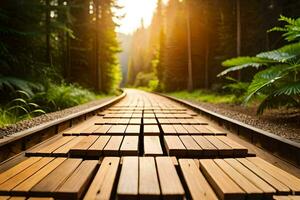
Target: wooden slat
[
  {"x": 104, "y": 181},
  {"x": 80, "y": 149},
  {"x": 135, "y": 121},
  {"x": 78, "y": 182},
  {"x": 223, "y": 149},
  {"x": 150, "y": 121},
  {"x": 180, "y": 129},
  {"x": 289, "y": 180},
  {"x": 203, "y": 130},
  {"x": 193, "y": 149},
  {"x": 174, "y": 146},
  {"x": 97, "y": 148},
  {"x": 23, "y": 175},
  {"x": 17, "y": 169},
  {"x": 102, "y": 130},
  {"x": 208, "y": 150},
  {"x": 222, "y": 184},
  {"x": 168, "y": 130},
  {"x": 128, "y": 182},
  {"x": 53, "y": 180},
  {"x": 77, "y": 129},
  {"x": 152, "y": 146},
  {"x": 238, "y": 149},
  {"x": 47, "y": 150},
  {"x": 191, "y": 130},
  {"x": 197, "y": 185},
  {"x": 25, "y": 186},
  {"x": 252, "y": 191},
  {"x": 129, "y": 146},
  {"x": 113, "y": 146},
  {"x": 133, "y": 129},
  {"x": 148, "y": 181},
  {"x": 280, "y": 187},
  {"x": 169, "y": 180},
  {"x": 261, "y": 184},
  {"x": 117, "y": 130},
  {"x": 64, "y": 150},
  {"x": 151, "y": 130}
]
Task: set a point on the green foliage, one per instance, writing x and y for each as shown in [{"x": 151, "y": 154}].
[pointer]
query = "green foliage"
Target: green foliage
[
  {"x": 278, "y": 82},
  {"x": 58, "y": 97},
  {"x": 291, "y": 29},
  {"x": 22, "y": 107},
  {"x": 205, "y": 96}
]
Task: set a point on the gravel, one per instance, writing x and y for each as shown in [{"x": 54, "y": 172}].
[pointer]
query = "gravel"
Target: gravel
[
  {"x": 285, "y": 123},
  {"x": 29, "y": 123}
]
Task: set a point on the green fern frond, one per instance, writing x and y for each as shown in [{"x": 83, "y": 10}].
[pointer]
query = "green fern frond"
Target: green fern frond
[
  {"x": 239, "y": 63},
  {"x": 289, "y": 89},
  {"x": 283, "y": 54}
]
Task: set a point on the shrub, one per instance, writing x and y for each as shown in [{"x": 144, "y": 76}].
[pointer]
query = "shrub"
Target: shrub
[{"x": 278, "y": 83}]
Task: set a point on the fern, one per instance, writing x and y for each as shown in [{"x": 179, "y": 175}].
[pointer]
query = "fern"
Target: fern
[{"x": 279, "y": 82}]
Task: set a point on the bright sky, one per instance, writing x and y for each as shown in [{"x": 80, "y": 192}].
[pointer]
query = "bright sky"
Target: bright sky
[{"x": 135, "y": 10}]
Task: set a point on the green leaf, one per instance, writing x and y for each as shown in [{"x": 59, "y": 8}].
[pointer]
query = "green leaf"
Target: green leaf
[
  {"x": 283, "y": 54},
  {"x": 289, "y": 89},
  {"x": 239, "y": 63}
]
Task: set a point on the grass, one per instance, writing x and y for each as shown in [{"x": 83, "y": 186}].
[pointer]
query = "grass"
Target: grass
[
  {"x": 55, "y": 97},
  {"x": 205, "y": 96}
]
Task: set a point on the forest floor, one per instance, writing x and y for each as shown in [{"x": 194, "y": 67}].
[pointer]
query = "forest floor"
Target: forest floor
[
  {"x": 285, "y": 123},
  {"x": 29, "y": 123}
]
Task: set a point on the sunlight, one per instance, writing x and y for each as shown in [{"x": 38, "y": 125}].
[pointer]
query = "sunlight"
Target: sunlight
[{"x": 135, "y": 11}]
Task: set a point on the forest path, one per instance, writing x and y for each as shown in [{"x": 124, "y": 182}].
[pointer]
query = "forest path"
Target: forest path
[{"x": 149, "y": 147}]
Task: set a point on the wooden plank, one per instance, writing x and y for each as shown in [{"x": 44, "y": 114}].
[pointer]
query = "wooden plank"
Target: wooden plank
[
  {"x": 180, "y": 130},
  {"x": 203, "y": 130},
  {"x": 151, "y": 130},
  {"x": 169, "y": 180},
  {"x": 196, "y": 183},
  {"x": 97, "y": 148},
  {"x": 191, "y": 130},
  {"x": 25, "y": 186},
  {"x": 113, "y": 146},
  {"x": 77, "y": 183},
  {"x": 168, "y": 130},
  {"x": 149, "y": 115},
  {"x": 280, "y": 187},
  {"x": 224, "y": 186},
  {"x": 128, "y": 182},
  {"x": 117, "y": 130},
  {"x": 152, "y": 146},
  {"x": 135, "y": 121},
  {"x": 163, "y": 121},
  {"x": 148, "y": 181},
  {"x": 133, "y": 129},
  {"x": 174, "y": 146},
  {"x": 193, "y": 149},
  {"x": 104, "y": 181},
  {"x": 80, "y": 149},
  {"x": 23, "y": 175},
  {"x": 47, "y": 150},
  {"x": 103, "y": 129},
  {"x": 17, "y": 169},
  {"x": 129, "y": 146},
  {"x": 257, "y": 181},
  {"x": 78, "y": 128},
  {"x": 53, "y": 180},
  {"x": 208, "y": 149},
  {"x": 252, "y": 191},
  {"x": 150, "y": 121},
  {"x": 289, "y": 180},
  {"x": 238, "y": 149},
  {"x": 64, "y": 150},
  {"x": 223, "y": 149}
]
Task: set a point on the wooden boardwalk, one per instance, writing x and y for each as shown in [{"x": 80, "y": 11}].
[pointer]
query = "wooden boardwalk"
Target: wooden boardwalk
[{"x": 145, "y": 147}]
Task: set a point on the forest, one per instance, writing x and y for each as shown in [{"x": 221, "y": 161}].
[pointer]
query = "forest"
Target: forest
[
  {"x": 55, "y": 54},
  {"x": 188, "y": 41}
]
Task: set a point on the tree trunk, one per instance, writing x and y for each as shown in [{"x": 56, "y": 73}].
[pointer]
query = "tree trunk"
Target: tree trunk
[
  {"x": 47, "y": 27},
  {"x": 97, "y": 52},
  {"x": 238, "y": 32},
  {"x": 190, "y": 66}
]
